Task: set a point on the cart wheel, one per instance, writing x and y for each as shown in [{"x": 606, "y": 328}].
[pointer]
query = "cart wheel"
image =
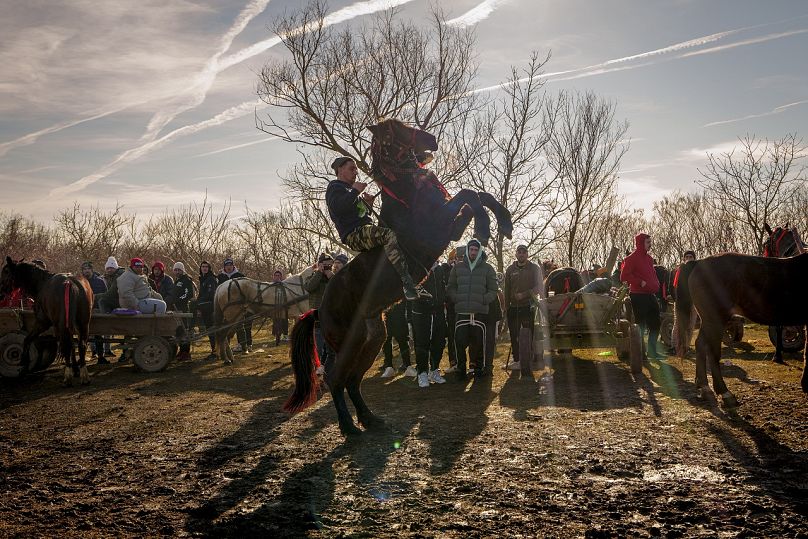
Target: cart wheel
[
  {"x": 621, "y": 342},
  {"x": 152, "y": 354},
  {"x": 793, "y": 338},
  {"x": 525, "y": 351},
  {"x": 47, "y": 347},
  {"x": 11, "y": 354},
  {"x": 666, "y": 330},
  {"x": 635, "y": 348}
]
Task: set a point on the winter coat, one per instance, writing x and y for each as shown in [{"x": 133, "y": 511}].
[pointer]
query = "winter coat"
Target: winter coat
[
  {"x": 227, "y": 276},
  {"x": 435, "y": 284},
  {"x": 133, "y": 287},
  {"x": 315, "y": 285},
  {"x": 165, "y": 288},
  {"x": 183, "y": 293},
  {"x": 111, "y": 297},
  {"x": 346, "y": 209},
  {"x": 522, "y": 279},
  {"x": 207, "y": 291},
  {"x": 638, "y": 267},
  {"x": 97, "y": 284},
  {"x": 472, "y": 285}
]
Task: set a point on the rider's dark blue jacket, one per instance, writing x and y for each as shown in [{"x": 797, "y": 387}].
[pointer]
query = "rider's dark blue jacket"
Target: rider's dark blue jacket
[{"x": 346, "y": 209}]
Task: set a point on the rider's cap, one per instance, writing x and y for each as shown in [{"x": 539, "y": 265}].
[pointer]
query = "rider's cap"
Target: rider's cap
[{"x": 339, "y": 161}]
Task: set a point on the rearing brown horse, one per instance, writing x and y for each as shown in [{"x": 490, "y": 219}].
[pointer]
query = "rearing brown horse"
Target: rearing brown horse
[
  {"x": 62, "y": 301},
  {"x": 425, "y": 219}
]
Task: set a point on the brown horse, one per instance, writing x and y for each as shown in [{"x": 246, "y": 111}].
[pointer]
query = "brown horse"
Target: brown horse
[
  {"x": 425, "y": 219},
  {"x": 62, "y": 301},
  {"x": 769, "y": 291},
  {"x": 783, "y": 242}
]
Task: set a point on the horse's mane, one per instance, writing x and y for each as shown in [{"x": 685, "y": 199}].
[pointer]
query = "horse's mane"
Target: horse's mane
[{"x": 30, "y": 277}]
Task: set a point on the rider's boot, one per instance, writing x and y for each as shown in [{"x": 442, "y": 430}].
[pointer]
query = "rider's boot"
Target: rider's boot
[{"x": 411, "y": 291}]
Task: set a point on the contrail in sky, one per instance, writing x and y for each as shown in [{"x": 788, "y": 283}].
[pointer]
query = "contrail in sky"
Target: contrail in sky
[
  {"x": 161, "y": 119},
  {"x": 776, "y": 110},
  {"x": 476, "y": 14}
]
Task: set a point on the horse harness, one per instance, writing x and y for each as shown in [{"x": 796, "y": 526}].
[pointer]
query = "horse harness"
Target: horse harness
[{"x": 261, "y": 287}]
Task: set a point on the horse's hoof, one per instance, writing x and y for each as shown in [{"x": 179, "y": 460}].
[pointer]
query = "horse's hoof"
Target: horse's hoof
[
  {"x": 350, "y": 430},
  {"x": 729, "y": 400},
  {"x": 779, "y": 360},
  {"x": 373, "y": 423}
]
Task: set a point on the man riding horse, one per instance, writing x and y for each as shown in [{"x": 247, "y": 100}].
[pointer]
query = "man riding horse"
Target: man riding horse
[{"x": 349, "y": 208}]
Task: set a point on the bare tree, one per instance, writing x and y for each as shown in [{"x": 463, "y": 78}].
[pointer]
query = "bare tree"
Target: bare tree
[
  {"x": 21, "y": 237},
  {"x": 191, "y": 233},
  {"x": 584, "y": 151},
  {"x": 501, "y": 151},
  {"x": 93, "y": 234},
  {"x": 753, "y": 184}
]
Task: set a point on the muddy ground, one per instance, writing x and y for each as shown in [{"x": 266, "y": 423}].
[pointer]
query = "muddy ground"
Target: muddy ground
[{"x": 585, "y": 449}]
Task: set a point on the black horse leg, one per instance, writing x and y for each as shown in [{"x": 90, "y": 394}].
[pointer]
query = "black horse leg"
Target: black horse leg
[
  {"x": 701, "y": 363},
  {"x": 482, "y": 223},
  {"x": 461, "y": 222},
  {"x": 778, "y": 345},
  {"x": 40, "y": 326},
  {"x": 714, "y": 331},
  {"x": 503, "y": 216},
  {"x": 346, "y": 424},
  {"x": 370, "y": 348}
]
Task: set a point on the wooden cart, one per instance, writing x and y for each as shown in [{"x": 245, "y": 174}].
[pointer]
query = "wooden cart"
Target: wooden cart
[
  {"x": 150, "y": 340},
  {"x": 580, "y": 320}
]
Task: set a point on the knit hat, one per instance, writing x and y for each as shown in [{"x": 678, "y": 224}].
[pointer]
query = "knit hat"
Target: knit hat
[
  {"x": 136, "y": 262},
  {"x": 324, "y": 257},
  {"x": 228, "y": 261},
  {"x": 179, "y": 266},
  {"x": 338, "y": 162},
  {"x": 112, "y": 262},
  {"x": 691, "y": 253},
  {"x": 342, "y": 258},
  {"x": 86, "y": 265},
  {"x": 160, "y": 265}
]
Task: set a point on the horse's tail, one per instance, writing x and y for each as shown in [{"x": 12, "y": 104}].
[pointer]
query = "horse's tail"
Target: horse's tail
[
  {"x": 684, "y": 308},
  {"x": 67, "y": 321},
  {"x": 302, "y": 356}
]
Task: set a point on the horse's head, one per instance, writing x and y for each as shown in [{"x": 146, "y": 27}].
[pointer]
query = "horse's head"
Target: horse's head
[
  {"x": 782, "y": 242},
  {"x": 396, "y": 142},
  {"x": 7, "y": 276}
]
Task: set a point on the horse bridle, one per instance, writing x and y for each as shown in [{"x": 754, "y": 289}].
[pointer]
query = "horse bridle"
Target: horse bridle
[{"x": 772, "y": 249}]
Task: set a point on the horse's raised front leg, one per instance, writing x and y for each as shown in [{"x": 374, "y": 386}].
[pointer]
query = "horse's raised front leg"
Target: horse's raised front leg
[
  {"x": 503, "y": 216},
  {"x": 370, "y": 348},
  {"x": 482, "y": 222},
  {"x": 461, "y": 222}
]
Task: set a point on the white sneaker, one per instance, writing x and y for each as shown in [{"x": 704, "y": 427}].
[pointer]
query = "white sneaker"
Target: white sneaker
[
  {"x": 236, "y": 348},
  {"x": 452, "y": 368},
  {"x": 514, "y": 365},
  {"x": 389, "y": 372},
  {"x": 411, "y": 372},
  {"x": 423, "y": 380},
  {"x": 436, "y": 378}
]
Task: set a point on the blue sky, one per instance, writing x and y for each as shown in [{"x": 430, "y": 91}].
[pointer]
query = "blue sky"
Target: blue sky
[{"x": 151, "y": 103}]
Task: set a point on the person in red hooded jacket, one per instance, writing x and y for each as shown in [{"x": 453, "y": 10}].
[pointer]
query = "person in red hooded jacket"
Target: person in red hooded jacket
[{"x": 638, "y": 272}]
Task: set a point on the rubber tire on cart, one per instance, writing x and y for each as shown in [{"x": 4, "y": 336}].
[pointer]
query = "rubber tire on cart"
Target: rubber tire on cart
[
  {"x": 11, "y": 354},
  {"x": 666, "y": 329},
  {"x": 622, "y": 342},
  {"x": 635, "y": 348},
  {"x": 793, "y": 338},
  {"x": 48, "y": 348},
  {"x": 152, "y": 354},
  {"x": 733, "y": 331}
]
